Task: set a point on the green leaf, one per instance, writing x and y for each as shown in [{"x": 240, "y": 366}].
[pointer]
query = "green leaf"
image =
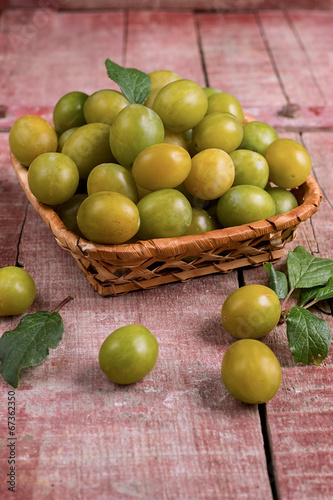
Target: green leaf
[
  {"x": 134, "y": 84},
  {"x": 309, "y": 337},
  {"x": 317, "y": 293},
  {"x": 307, "y": 271},
  {"x": 28, "y": 344},
  {"x": 277, "y": 281}
]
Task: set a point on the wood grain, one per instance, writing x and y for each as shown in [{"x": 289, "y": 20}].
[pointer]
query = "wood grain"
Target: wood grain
[
  {"x": 261, "y": 57},
  {"x": 164, "y": 40},
  {"x": 236, "y": 58},
  {"x": 177, "y": 433},
  {"x": 295, "y": 72},
  {"x": 236, "y": 5},
  {"x": 300, "y": 421},
  {"x": 66, "y": 45},
  {"x": 13, "y": 209},
  {"x": 299, "y": 418},
  {"x": 169, "y": 436}
]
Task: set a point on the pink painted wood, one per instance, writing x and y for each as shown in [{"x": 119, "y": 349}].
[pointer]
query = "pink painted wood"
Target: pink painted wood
[
  {"x": 57, "y": 70},
  {"x": 210, "y": 5},
  {"x": 177, "y": 433},
  {"x": 157, "y": 51},
  {"x": 260, "y": 75}
]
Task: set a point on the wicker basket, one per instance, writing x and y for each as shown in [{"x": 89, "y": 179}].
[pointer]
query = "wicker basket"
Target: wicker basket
[{"x": 119, "y": 269}]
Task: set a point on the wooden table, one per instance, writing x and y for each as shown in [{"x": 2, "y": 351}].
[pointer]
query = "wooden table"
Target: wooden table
[{"x": 177, "y": 434}]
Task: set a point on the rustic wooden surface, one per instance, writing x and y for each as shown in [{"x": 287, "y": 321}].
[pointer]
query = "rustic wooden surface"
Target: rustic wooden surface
[
  {"x": 213, "y": 5},
  {"x": 177, "y": 434}
]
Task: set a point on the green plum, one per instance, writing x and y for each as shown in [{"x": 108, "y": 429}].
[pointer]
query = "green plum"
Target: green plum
[
  {"x": 135, "y": 128},
  {"x": 63, "y": 138},
  {"x": 113, "y": 177},
  {"x": 17, "y": 291},
  {"x": 218, "y": 130},
  {"x": 250, "y": 168},
  {"x": 251, "y": 312},
  {"x": 159, "y": 79},
  {"x": 103, "y": 106},
  {"x": 289, "y": 163},
  {"x": 161, "y": 166},
  {"x": 211, "y": 175},
  {"x": 109, "y": 218},
  {"x": 128, "y": 354},
  {"x": 201, "y": 222},
  {"x": 53, "y": 178},
  {"x": 88, "y": 146},
  {"x": 67, "y": 212},
  {"x": 226, "y": 103},
  {"x": 210, "y": 91},
  {"x": 251, "y": 372},
  {"x": 165, "y": 213},
  {"x": 257, "y": 136},
  {"x": 68, "y": 111},
  {"x": 244, "y": 204},
  {"x": 284, "y": 200},
  {"x": 181, "y": 105},
  {"x": 31, "y": 136}
]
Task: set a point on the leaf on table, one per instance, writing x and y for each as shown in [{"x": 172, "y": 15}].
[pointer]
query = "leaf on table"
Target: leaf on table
[
  {"x": 308, "y": 336},
  {"x": 307, "y": 271},
  {"x": 277, "y": 281},
  {"x": 134, "y": 84},
  {"x": 28, "y": 344},
  {"x": 317, "y": 293}
]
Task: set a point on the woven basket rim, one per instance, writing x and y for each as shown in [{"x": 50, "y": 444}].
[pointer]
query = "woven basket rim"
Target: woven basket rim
[{"x": 167, "y": 247}]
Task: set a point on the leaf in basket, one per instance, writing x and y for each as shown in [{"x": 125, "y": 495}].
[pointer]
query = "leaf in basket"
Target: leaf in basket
[
  {"x": 277, "y": 281},
  {"x": 134, "y": 84},
  {"x": 307, "y": 271},
  {"x": 309, "y": 337}
]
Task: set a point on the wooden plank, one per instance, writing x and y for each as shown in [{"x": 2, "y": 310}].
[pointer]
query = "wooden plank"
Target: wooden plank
[
  {"x": 300, "y": 421},
  {"x": 13, "y": 206},
  {"x": 237, "y": 60},
  {"x": 236, "y": 5},
  {"x": 245, "y": 56},
  {"x": 307, "y": 118},
  {"x": 177, "y": 433},
  {"x": 256, "y": 99},
  {"x": 153, "y": 29},
  {"x": 320, "y": 147},
  {"x": 304, "y": 75},
  {"x": 315, "y": 33},
  {"x": 300, "y": 416},
  {"x": 64, "y": 45},
  {"x": 298, "y": 82},
  {"x": 154, "y": 43},
  {"x": 315, "y": 233}
]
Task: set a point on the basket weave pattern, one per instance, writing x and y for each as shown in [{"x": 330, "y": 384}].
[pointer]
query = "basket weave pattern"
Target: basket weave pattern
[{"x": 118, "y": 269}]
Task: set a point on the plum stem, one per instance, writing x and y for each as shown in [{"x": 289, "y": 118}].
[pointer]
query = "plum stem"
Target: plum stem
[{"x": 63, "y": 303}]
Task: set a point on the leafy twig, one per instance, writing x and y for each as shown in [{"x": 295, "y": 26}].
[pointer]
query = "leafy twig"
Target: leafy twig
[
  {"x": 29, "y": 343},
  {"x": 63, "y": 303},
  {"x": 308, "y": 336}
]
